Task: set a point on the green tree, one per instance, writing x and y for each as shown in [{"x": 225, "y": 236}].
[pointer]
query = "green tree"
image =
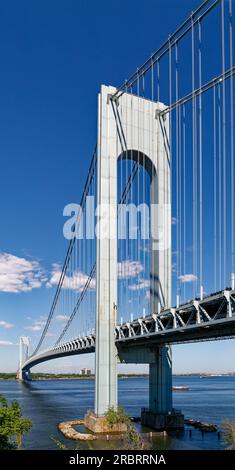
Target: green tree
[
  {"x": 118, "y": 416},
  {"x": 12, "y": 424},
  {"x": 228, "y": 427},
  {"x": 133, "y": 439}
]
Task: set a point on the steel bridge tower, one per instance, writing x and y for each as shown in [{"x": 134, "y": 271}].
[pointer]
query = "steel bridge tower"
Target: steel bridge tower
[{"x": 119, "y": 137}]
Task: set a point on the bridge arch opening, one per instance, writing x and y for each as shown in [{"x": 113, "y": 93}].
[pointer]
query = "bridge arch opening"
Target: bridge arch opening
[
  {"x": 138, "y": 282},
  {"x": 140, "y": 158}
]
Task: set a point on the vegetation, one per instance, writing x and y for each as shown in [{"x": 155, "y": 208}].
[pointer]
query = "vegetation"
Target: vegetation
[
  {"x": 7, "y": 376},
  {"x": 60, "y": 444},
  {"x": 12, "y": 425},
  {"x": 39, "y": 375},
  {"x": 228, "y": 427},
  {"x": 133, "y": 440},
  {"x": 43, "y": 376},
  {"x": 118, "y": 416}
]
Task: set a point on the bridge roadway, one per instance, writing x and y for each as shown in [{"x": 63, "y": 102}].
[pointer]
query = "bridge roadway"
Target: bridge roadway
[{"x": 198, "y": 320}]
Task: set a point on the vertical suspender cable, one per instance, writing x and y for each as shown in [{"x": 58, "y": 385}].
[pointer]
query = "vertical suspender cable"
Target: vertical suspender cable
[
  {"x": 73, "y": 277},
  {"x": 90, "y": 266},
  {"x": 152, "y": 81},
  {"x": 194, "y": 165},
  {"x": 121, "y": 242},
  {"x": 128, "y": 241},
  {"x": 138, "y": 190},
  {"x": 200, "y": 158},
  {"x": 184, "y": 193},
  {"x": 132, "y": 251},
  {"x": 177, "y": 174},
  {"x": 215, "y": 186},
  {"x": 220, "y": 187},
  {"x": 224, "y": 144},
  {"x": 170, "y": 122},
  {"x": 232, "y": 145},
  {"x": 180, "y": 193},
  {"x": 138, "y": 120},
  {"x": 158, "y": 81}
]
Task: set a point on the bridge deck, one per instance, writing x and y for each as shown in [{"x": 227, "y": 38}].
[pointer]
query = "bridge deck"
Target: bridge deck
[{"x": 198, "y": 320}]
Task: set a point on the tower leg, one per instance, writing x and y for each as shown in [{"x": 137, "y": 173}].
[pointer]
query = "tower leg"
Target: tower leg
[
  {"x": 23, "y": 355},
  {"x": 20, "y": 373},
  {"x": 106, "y": 354}
]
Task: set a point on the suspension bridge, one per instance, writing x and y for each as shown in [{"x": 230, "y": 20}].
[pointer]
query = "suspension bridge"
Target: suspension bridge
[{"x": 150, "y": 259}]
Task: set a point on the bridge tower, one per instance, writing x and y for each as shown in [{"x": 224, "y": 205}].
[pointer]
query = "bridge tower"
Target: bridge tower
[
  {"x": 24, "y": 346},
  {"x": 119, "y": 137}
]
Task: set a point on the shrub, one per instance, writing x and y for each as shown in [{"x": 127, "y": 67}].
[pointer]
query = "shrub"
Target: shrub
[
  {"x": 133, "y": 440},
  {"x": 12, "y": 424},
  {"x": 118, "y": 416},
  {"x": 228, "y": 427}
]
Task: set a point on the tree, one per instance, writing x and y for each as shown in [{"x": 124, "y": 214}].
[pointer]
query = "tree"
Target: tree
[
  {"x": 118, "y": 416},
  {"x": 133, "y": 440},
  {"x": 228, "y": 427},
  {"x": 12, "y": 424}
]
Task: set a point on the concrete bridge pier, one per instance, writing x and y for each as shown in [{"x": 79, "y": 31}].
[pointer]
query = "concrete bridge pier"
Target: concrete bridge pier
[
  {"x": 160, "y": 381},
  {"x": 161, "y": 414},
  {"x": 24, "y": 375}
]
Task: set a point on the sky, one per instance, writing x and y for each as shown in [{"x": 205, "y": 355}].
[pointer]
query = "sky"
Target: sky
[{"x": 54, "y": 57}]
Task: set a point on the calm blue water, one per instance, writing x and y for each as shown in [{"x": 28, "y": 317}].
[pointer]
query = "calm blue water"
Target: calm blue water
[{"x": 49, "y": 402}]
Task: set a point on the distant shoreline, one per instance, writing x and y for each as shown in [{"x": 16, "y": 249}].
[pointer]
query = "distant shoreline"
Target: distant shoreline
[{"x": 43, "y": 376}]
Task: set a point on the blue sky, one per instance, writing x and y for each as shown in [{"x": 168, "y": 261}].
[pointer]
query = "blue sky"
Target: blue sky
[{"x": 54, "y": 57}]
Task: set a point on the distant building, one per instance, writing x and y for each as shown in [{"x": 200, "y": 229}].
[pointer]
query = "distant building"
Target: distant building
[{"x": 85, "y": 372}]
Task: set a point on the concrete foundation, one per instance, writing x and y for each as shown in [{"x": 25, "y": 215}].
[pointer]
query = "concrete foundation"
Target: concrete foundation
[
  {"x": 162, "y": 421},
  {"x": 99, "y": 424}
]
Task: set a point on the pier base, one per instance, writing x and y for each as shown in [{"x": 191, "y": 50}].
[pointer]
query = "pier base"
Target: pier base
[
  {"x": 162, "y": 421},
  {"x": 99, "y": 424},
  {"x": 23, "y": 376}
]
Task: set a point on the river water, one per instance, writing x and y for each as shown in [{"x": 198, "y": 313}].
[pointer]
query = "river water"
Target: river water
[{"x": 48, "y": 402}]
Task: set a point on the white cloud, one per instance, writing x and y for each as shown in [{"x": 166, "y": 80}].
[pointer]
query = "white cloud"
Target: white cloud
[
  {"x": 33, "y": 328},
  {"x": 19, "y": 274},
  {"x": 144, "y": 284},
  {"x": 126, "y": 270},
  {"x": 129, "y": 269},
  {"x": 75, "y": 282},
  {"x": 62, "y": 317},
  {"x": 188, "y": 278},
  {"x": 174, "y": 220},
  {"x": 6, "y": 343},
  {"x": 36, "y": 326},
  {"x": 5, "y": 324}
]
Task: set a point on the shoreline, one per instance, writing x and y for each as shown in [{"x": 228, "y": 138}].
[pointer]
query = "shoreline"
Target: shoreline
[{"x": 12, "y": 376}]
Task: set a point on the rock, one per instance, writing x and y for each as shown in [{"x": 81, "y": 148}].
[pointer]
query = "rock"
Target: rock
[{"x": 68, "y": 431}]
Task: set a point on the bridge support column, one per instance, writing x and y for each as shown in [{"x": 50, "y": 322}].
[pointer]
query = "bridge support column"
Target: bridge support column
[
  {"x": 23, "y": 356},
  {"x": 160, "y": 382},
  {"x": 161, "y": 415},
  {"x": 106, "y": 355}
]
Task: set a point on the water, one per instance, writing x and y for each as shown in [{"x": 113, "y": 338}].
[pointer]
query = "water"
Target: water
[{"x": 48, "y": 402}]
